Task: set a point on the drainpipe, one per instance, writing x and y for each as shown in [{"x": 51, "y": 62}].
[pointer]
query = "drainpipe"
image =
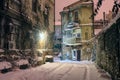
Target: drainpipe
[{"x": 93, "y": 17}]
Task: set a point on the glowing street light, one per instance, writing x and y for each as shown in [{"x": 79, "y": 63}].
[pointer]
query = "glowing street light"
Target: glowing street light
[{"x": 42, "y": 36}]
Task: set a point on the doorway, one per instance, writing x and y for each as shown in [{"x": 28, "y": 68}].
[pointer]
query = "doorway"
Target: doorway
[{"x": 78, "y": 55}]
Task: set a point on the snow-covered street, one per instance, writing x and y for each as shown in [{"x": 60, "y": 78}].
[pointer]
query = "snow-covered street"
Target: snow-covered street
[{"x": 58, "y": 71}]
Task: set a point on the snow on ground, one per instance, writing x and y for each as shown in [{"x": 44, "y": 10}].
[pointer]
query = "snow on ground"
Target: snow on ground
[
  {"x": 56, "y": 59},
  {"x": 70, "y": 61},
  {"x": 59, "y": 70},
  {"x": 63, "y": 70}
]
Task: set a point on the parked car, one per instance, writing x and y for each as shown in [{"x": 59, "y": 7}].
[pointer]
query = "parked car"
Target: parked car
[{"x": 48, "y": 58}]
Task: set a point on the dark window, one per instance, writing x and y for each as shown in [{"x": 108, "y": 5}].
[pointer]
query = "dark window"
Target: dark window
[
  {"x": 76, "y": 16},
  {"x": 78, "y": 35},
  {"x": 2, "y": 2},
  {"x": 6, "y": 45},
  {"x": 74, "y": 53},
  {"x": 17, "y": 5},
  {"x": 86, "y": 35},
  {"x": 68, "y": 15},
  {"x": 34, "y": 5},
  {"x": 10, "y": 45},
  {"x": 46, "y": 15}
]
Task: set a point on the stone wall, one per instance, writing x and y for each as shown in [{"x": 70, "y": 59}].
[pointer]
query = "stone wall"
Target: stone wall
[{"x": 108, "y": 49}]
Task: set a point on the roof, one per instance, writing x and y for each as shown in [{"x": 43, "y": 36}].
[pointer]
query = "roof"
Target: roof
[{"x": 76, "y": 3}]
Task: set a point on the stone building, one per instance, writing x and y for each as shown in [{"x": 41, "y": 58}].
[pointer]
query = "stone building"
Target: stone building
[
  {"x": 22, "y": 22},
  {"x": 77, "y": 27}
]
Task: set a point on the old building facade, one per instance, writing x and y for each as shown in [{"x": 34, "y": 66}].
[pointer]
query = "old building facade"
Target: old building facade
[
  {"x": 22, "y": 22},
  {"x": 77, "y": 29}
]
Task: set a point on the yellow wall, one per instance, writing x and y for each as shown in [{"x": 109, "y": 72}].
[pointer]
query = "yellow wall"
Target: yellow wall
[
  {"x": 85, "y": 13},
  {"x": 87, "y": 29}
]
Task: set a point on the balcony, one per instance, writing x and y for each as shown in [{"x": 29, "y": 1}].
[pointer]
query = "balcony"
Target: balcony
[{"x": 71, "y": 40}]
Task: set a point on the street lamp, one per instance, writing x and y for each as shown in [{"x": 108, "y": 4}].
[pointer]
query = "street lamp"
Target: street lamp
[{"x": 43, "y": 38}]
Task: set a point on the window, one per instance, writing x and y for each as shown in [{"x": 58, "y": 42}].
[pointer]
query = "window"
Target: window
[
  {"x": 78, "y": 35},
  {"x": 70, "y": 16},
  {"x": 74, "y": 53},
  {"x": 2, "y": 2},
  {"x": 69, "y": 33},
  {"x": 86, "y": 35},
  {"x": 46, "y": 15},
  {"x": 10, "y": 45},
  {"x": 34, "y": 5},
  {"x": 76, "y": 16},
  {"x": 16, "y": 5},
  {"x": 11, "y": 37}
]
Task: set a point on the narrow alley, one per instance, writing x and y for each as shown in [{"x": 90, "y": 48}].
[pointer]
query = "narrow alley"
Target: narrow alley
[{"x": 59, "y": 39}]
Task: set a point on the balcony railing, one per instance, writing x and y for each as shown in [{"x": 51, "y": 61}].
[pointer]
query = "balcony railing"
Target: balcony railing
[{"x": 71, "y": 40}]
